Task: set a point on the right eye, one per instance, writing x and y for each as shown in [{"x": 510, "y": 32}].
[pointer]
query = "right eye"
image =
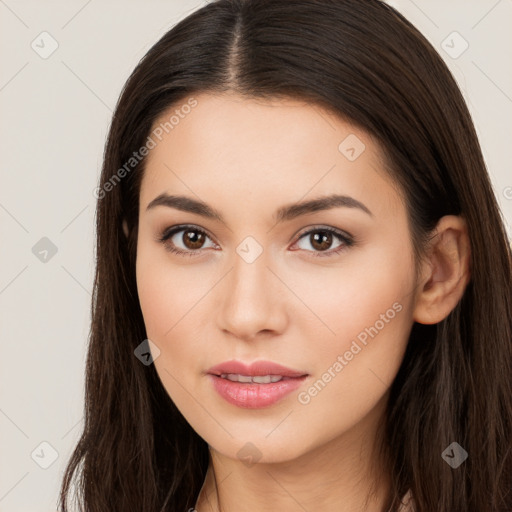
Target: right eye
[{"x": 191, "y": 240}]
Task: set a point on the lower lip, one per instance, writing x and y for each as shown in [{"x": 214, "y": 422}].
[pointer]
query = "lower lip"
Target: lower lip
[{"x": 252, "y": 395}]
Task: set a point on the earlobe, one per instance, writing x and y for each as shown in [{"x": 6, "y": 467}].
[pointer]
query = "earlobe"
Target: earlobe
[{"x": 446, "y": 271}]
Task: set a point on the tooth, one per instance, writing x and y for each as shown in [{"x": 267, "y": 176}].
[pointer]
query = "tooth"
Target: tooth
[
  {"x": 261, "y": 379},
  {"x": 239, "y": 378},
  {"x": 258, "y": 379}
]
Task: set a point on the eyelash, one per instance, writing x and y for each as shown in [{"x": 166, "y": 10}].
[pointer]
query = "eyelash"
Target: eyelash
[{"x": 348, "y": 240}]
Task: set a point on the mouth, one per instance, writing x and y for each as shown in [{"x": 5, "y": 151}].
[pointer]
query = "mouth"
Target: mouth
[{"x": 261, "y": 384}]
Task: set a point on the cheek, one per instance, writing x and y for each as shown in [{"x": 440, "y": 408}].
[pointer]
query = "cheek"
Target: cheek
[
  {"x": 174, "y": 303},
  {"x": 165, "y": 301},
  {"x": 345, "y": 300},
  {"x": 360, "y": 327},
  {"x": 166, "y": 291}
]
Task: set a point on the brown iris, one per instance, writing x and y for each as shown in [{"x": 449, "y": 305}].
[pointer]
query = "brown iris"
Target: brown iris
[
  {"x": 321, "y": 240},
  {"x": 193, "y": 239}
]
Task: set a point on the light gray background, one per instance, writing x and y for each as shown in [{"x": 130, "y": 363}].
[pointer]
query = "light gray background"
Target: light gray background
[{"x": 55, "y": 114}]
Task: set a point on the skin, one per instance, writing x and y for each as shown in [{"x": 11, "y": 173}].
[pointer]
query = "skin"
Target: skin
[{"x": 247, "y": 158}]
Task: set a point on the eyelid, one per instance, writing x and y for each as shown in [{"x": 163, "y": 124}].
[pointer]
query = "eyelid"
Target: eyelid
[{"x": 324, "y": 227}]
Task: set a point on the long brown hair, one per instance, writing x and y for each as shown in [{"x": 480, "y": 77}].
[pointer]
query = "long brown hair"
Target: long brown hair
[{"x": 366, "y": 62}]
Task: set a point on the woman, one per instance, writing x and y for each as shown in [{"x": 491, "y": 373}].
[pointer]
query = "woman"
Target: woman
[{"x": 303, "y": 285}]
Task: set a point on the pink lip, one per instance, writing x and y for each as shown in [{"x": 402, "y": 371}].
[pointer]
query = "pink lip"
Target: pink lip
[
  {"x": 254, "y": 395},
  {"x": 256, "y": 368}
]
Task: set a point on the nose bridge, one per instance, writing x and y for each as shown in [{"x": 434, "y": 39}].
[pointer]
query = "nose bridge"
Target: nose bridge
[
  {"x": 250, "y": 275},
  {"x": 247, "y": 304}
]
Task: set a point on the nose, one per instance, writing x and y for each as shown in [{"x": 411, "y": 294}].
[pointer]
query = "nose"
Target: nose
[{"x": 252, "y": 300}]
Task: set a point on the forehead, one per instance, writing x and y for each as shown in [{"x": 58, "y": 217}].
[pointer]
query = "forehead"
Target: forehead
[{"x": 228, "y": 146}]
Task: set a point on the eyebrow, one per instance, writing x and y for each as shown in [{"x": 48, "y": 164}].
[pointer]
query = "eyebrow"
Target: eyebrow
[{"x": 285, "y": 213}]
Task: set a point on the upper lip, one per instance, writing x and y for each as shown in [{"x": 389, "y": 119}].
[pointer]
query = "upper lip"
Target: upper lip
[{"x": 257, "y": 368}]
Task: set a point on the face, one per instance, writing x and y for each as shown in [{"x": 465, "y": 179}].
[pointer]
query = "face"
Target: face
[{"x": 325, "y": 291}]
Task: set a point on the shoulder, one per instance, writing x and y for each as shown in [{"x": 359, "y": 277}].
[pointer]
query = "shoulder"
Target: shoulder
[{"x": 407, "y": 503}]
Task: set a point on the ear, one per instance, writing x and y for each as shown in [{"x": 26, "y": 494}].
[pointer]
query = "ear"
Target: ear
[
  {"x": 125, "y": 228},
  {"x": 445, "y": 271}
]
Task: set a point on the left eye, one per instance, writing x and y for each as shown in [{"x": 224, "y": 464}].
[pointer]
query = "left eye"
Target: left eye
[
  {"x": 321, "y": 238},
  {"x": 192, "y": 240}
]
